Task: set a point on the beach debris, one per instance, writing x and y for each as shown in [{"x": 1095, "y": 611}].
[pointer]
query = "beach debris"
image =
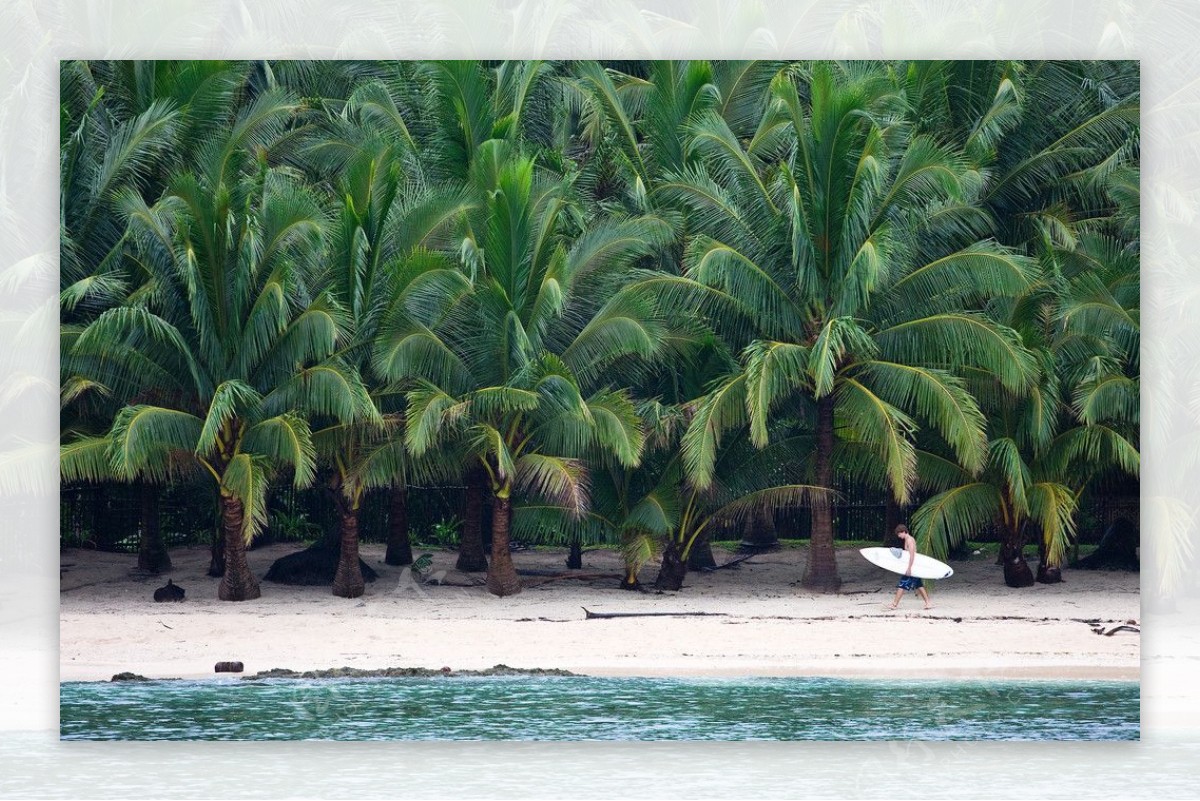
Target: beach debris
[
  {"x": 590, "y": 615},
  {"x": 169, "y": 592},
  {"x": 228, "y": 667},
  {"x": 731, "y": 563},
  {"x": 127, "y": 676},
  {"x": 1122, "y": 627}
]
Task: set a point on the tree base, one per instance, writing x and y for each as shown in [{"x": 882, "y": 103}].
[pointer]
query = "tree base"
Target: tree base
[
  {"x": 156, "y": 561},
  {"x": 1118, "y": 549},
  {"x": 701, "y": 557},
  {"x": 822, "y": 584},
  {"x": 216, "y": 562},
  {"x": 630, "y": 583},
  {"x": 398, "y": 557},
  {"x": 575, "y": 557},
  {"x": 1049, "y": 575},
  {"x": 244, "y": 588},
  {"x": 672, "y": 572},
  {"x": 348, "y": 583},
  {"x": 471, "y": 563},
  {"x": 1017, "y": 573},
  {"x": 502, "y": 585}
]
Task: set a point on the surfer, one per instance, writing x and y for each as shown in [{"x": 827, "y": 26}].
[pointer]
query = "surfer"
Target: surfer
[{"x": 909, "y": 581}]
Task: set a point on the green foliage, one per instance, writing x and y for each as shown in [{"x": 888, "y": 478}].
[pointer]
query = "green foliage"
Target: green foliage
[{"x": 646, "y": 304}]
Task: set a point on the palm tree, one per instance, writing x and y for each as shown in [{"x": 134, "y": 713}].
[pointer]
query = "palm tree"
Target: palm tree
[
  {"x": 511, "y": 366},
  {"x": 841, "y": 251},
  {"x": 125, "y": 125},
  {"x": 1058, "y": 141},
  {"x": 656, "y": 509},
  {"x": 230, "y": 344}
]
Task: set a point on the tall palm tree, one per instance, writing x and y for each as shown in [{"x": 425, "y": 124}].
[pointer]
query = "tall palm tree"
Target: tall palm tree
[
  {"x": 230, "y": 345},
  {"x": 125, "y": 127},
  {"x": 843, "y": 253},
  {"x": 1057, "y": 142},
  {"x": 511, "y": 365}
]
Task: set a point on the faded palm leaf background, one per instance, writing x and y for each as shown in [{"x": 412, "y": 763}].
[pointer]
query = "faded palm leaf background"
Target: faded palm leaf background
[{"x": 36, "y": 33}]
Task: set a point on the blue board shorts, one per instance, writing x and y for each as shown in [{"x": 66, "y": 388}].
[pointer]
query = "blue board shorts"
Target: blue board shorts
[{"x": 909, "y": 583}]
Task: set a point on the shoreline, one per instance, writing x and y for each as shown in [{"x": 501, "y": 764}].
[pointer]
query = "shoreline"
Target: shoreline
[
  {"x": 1046, "y": 673},
  {"x": 757, "y": 622}
]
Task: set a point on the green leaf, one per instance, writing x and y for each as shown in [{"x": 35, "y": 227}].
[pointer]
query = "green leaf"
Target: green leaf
[
  {"x": 285, "y": 439},
  {"x": 144, "y": 439}
]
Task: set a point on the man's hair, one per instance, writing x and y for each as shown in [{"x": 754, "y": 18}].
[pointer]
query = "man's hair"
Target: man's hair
[{"x": 901, "y": 529}]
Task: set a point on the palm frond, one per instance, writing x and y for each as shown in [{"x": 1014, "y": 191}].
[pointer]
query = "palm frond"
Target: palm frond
[{"x": 954, "y": 516}]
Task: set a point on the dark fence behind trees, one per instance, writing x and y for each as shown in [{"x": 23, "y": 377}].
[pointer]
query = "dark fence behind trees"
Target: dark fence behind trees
[{"x": 107, "y": 517}]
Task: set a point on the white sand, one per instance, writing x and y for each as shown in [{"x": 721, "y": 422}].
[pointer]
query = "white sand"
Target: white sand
[{"x": 979, "y": 627}]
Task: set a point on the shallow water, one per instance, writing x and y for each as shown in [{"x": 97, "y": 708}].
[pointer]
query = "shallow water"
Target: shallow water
[{"x": 586, "y": 708}]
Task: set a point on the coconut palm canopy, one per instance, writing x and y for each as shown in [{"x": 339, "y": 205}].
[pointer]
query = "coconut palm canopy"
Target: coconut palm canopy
[{"x": 632, "y": 302}]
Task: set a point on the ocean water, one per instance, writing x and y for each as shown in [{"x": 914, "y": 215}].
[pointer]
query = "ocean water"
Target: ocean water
[{"x": 588, "y": 708}]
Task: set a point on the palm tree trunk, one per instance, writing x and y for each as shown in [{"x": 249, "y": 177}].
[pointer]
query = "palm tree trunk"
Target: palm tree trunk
[
  {"x": 630, "y": 580},
  {"x": 238, "y": 583},
  {"x": 1016, "y": 569},
  {"x": 759, "y": 534},
  {"x": 502, "y": 578},
  {"x": 471, "y": 558},
  {"x": 399, "y": 548},
  {"x": 821, "y": 573},
  {"x": 575, "y": 555},
  {"x": 348, "y": 581},
  {"x": 673, "y": 570},
  {"x": 701, "y": 555},
  {"x": 1047, "y": 573},
  {"x": 152, "y": 553}
]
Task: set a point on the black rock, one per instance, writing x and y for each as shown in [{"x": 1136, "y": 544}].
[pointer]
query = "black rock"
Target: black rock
[
  {"x": 170, "y": 592},
  {"x": 313, "y": 567}
]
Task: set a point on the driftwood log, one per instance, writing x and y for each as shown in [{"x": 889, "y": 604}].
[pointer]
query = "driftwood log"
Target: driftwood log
[{"x": 590, "y": 615}]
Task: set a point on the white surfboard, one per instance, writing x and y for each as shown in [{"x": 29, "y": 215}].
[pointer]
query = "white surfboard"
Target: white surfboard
[{"x": 896, "y": 560}]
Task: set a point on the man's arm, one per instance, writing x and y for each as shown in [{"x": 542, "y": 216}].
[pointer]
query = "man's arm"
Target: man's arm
[{"x": 911, "y": 546}]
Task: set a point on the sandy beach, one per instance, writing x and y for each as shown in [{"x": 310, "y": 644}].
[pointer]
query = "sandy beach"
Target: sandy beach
[{"x": 767, "y": 626}]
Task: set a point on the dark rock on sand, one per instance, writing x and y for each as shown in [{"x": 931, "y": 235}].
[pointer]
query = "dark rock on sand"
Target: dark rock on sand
[
  {"x": 403, "y": 672},
  {"x": 170, "y": 592},
  {"x": 313, "y": 567}
]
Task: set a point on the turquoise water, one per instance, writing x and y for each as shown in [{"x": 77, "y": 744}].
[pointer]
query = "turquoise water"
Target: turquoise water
[{"x": 586, "y": 708}]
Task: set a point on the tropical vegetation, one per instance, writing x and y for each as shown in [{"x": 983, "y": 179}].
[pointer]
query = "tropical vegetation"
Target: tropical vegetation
[{"x": 633, "y": 303}]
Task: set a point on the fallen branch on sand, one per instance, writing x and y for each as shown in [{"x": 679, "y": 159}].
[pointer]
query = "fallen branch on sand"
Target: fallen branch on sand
[
  {"x": 730, "y": 563},
  {"x": 590, "y": 615},
  {"x": 1115, "y": 629}
]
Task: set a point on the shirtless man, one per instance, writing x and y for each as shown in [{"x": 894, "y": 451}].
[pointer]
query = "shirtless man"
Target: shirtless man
[{"x": 908, "y": 581}]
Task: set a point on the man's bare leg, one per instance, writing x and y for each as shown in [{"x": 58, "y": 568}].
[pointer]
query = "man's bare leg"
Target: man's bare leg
[
  {"x": 896, "y": 601},
  {"x": 921, "y": 591}
]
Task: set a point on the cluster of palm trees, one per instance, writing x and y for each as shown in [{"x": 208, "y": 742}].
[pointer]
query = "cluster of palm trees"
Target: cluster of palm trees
[{"x": 632, "y": 302}]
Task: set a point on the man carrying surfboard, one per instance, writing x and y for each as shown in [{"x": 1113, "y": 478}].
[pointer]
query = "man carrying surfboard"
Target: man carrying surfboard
[{"x": 909, "y": 581}]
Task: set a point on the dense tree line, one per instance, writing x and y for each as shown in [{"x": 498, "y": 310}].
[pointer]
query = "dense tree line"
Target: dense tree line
[{"x": 631, "y": 302}]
